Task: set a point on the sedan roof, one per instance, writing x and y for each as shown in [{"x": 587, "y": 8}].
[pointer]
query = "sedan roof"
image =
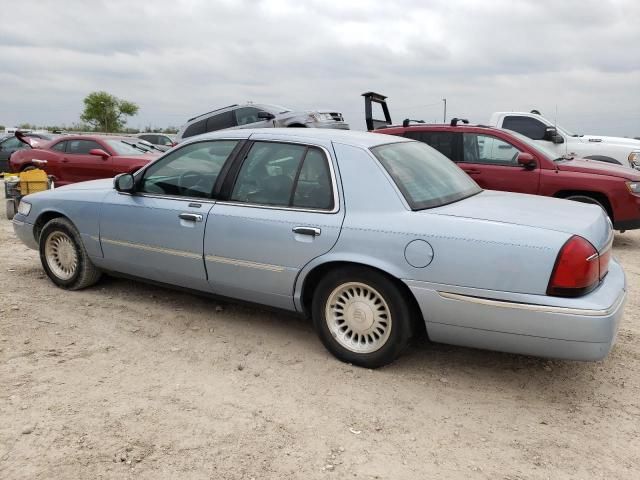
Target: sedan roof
[{"x": 328, "y": 135}]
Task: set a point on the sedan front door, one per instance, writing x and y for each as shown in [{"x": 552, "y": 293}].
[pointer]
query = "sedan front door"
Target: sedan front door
[
  {"x": 78, "y": 165},
  {"x": 282, "y": 211},
  {"x": 157, "y": 232}
]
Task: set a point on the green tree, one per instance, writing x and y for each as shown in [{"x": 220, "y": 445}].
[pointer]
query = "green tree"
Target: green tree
[{"x": 106, "y": 112}]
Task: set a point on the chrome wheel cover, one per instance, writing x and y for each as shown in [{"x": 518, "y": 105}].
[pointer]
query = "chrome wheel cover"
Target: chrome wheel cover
[
  {"x": 358, "y": 317},
  {"x": 61, "y": 255}
]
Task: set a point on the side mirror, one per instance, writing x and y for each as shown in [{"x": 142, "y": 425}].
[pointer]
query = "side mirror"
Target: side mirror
[
  {"x": 552, "y": 135},
  {"x": 265, "y": 116},
  {"x": 98, "y": 152},
  {"x": 526, "y": 160},
  {"x": 124, "y": 183}
]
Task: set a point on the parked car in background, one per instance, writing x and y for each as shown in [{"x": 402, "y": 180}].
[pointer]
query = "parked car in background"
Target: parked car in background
[
  {"x": 505, "y": 160},
  {"x": 544, "y": 132},
  {"x": 10, "y": 144},
  {"x": 373, "y": 236},
  {"x": 252, "y": 115},
  {"x": 76, "y": 158},
  {"x": 161, "y": 140}
]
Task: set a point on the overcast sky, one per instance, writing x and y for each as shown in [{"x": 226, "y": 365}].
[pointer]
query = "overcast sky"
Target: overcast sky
[{"x": 179, "y": 58}]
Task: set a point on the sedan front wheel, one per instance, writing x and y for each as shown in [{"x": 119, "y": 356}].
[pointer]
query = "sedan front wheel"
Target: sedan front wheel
[
  {"x": 361, "y": 316},
  {"x": 63, "y": 256}
]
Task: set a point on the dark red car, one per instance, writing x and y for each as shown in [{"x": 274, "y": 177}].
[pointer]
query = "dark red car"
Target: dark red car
[
  {"x": 77, "y": 158},
  {"x": 504, "y": 160}
]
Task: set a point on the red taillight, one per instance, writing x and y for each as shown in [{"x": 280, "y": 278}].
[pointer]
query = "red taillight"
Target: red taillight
[{"x": 578, "y": 268}]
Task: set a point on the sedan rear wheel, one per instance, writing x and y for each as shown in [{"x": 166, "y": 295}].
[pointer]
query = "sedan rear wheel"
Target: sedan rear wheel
[{"x": 361, "y": 316}]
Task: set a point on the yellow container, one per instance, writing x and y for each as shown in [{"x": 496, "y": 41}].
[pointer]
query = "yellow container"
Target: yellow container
[{"x": 33, "y": 181}]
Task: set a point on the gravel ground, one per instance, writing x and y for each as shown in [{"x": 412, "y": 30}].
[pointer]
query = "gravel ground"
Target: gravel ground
[{"x": 127, "y": 380}]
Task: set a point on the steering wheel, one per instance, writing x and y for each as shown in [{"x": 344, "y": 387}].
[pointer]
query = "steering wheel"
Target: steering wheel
[{"x": 183, "y": 184}]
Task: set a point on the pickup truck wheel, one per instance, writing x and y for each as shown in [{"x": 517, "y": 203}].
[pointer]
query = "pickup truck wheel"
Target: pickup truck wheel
[
  {"x": 361, "y": 316},
  {"x": 63, "y": 256}
]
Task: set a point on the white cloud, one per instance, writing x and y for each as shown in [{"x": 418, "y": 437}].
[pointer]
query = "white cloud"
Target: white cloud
[{"x": 178, "y": 58}]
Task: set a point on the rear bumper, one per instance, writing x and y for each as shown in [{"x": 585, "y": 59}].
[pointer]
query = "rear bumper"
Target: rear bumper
[{"x": 571, "y": 329}]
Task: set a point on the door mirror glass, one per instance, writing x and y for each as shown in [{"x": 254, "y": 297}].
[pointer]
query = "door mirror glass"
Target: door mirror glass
[
  {"x": 124, "y": 183},
  {"x": 526, "y": 160},
  {"x": 98, "y": 152}
]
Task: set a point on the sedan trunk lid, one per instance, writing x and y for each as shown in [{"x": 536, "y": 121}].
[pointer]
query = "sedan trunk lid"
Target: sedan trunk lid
[{"x": 574, "y": 218}]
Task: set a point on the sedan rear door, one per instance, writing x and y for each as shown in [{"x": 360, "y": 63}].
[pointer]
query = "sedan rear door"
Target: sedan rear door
[{"x": 279, "y": 210}]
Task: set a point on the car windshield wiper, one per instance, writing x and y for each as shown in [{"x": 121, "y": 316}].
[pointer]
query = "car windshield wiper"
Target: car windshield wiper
[
  {"x": 140, "y": 146},
  {"x": 566, "y": 156}
]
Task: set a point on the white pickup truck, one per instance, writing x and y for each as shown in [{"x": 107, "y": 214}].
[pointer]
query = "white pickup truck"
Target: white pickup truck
[{"x": 623, "y": 151}]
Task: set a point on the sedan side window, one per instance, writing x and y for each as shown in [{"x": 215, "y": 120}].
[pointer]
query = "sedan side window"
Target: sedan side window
[
  {"x": 246, "y": 115},
  {"x": 529, "y": 127},
  {"x": 221, "y": 121},
  {"x": 284, "y": 175},
  {"x": 82, "y": 147},
  {"x": 191, "y": 171},
  {"x": 60, "y": 146},
  {"x": 490, "y": 150},
  {"x": 13, "y": 144},
  {"x": 444, "y": 142}
]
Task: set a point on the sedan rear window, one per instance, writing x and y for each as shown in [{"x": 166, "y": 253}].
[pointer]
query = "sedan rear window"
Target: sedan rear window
[{"x": 425, "y": 177}]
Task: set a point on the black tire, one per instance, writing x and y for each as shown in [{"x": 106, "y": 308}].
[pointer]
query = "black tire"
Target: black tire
[
  {"x": 10, "y": 208},
  {"x": 85, "y": 273},
  {"x": 28, "y": 167},
  {"x": 399, "y": 312}
]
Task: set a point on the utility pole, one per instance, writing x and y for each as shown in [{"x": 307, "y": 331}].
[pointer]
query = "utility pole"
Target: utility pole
[{"x": 444, "y": 118}]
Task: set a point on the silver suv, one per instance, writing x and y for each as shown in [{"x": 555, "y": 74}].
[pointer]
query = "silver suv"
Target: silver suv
[{"x": 253, "y": 115}]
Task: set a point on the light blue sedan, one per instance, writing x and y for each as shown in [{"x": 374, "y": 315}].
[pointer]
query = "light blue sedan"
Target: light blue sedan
[{"x": 372, "y": 236}]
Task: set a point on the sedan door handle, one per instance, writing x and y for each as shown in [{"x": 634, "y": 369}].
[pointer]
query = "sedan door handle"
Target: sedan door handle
[
  {"x": 313, "y": 231},
  {"x": 472, "y": 171},
  {"x": 191, "y": 217}
]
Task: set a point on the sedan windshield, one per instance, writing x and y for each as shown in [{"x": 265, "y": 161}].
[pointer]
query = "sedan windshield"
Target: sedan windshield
[
  {"x": 425, "y": 177},
  {"x": 122, "y": 147}
]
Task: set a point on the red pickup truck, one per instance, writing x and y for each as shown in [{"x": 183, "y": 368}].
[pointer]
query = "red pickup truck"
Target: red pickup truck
[{"x": 504, "y": 160}]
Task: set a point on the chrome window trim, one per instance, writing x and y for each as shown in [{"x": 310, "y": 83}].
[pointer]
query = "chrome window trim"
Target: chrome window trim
[
  {"x": 328, "y": 158},
  {"x": 140, "y": 172},
  {"x": 487, "y": 302},
  {"x": 334, "y": 184}
]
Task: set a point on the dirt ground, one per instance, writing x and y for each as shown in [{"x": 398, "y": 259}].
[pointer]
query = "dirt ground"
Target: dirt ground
[{"x": 127, "y": 380}]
